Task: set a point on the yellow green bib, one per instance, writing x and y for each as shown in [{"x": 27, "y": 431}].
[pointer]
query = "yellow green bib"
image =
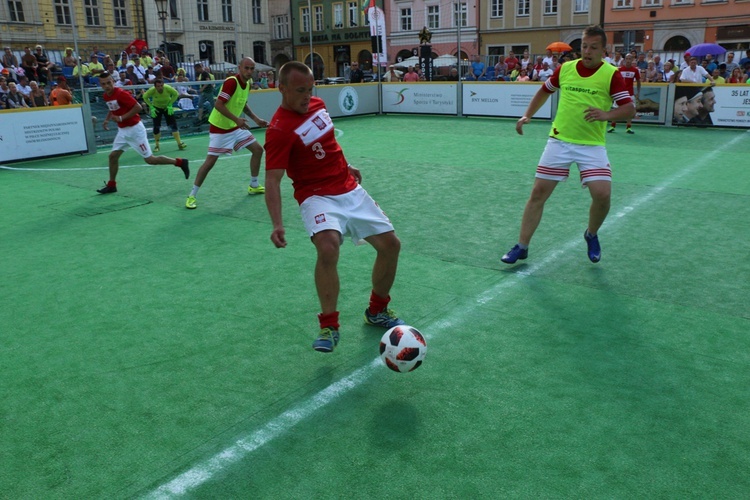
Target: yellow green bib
[
  {"x": 235, "y": 105},
  {"x": 576, "y": 95}
]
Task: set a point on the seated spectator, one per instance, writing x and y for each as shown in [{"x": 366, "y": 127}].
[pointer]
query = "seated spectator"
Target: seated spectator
[
  {"x": 501, "y": 70},
  {"x": 718, "y": 79},
  {"x": 138, "y": 70},
  {"x": 272, "y": 80},
  {"x": 10, "y": 62},
  {"x": 723, "y": 71},
  {"x": 544, "y": 73},
  {"x": 124, "y": 80},
  {"x": 13, "y": 98},
  {"x": 640, "y": 62},
  {"x": 652, "y": 74},
  {"x": 69, "y": 60},
  {"x": 37, "y": 96},
  {"x": 452, "y": 75},
  {"x": 736, "y": 76},
  {"x": 523, "y": 76},
  {"x": 668, "y": 75},
  {"x": 23, "y": 87},
  {"x": 146, "y": 59},
  {"x": 710, "y": 63},
  {"x": 131, "y": 75},
  {"x": 186, "y": 93},
  {"x": 513, "y": 76},
  {"x": 658, "y": 64},
  {"x": 95, "y": 67},
  {"x": 29, "y": 65},
  {"x": 82, "y": 70},
  {"x": 3, "y": 88},
  {"x": 60, "y": 95},
  {"x": 548, "y": 57},
  {"x": 150, "y": 75},
  {"x": 538, "y": 65},
  {"x": 44, "y": 65},
  {"x": 167, "y": 70}
]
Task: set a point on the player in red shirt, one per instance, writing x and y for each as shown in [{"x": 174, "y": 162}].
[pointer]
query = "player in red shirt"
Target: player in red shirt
[
  {"x": 300, "y": 141},
  {"x": 124, "y": 109},
  {"x": 630, "y": 74}
]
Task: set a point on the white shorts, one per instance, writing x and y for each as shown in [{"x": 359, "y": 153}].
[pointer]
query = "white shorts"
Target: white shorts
[
  {"x": 558, "y": 156},
  {"x": 354, "y": 214},
  {"x": 136, "y": 137},
  {"x": 224, "y": 144}
]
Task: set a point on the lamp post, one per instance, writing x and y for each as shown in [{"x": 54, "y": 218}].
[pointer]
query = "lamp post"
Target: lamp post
[{"x": 161, "y": 8}]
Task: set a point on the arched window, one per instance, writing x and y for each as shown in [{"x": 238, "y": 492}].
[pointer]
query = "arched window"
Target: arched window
[
  {"x": 677, "y": 44},
  {"x": 403, "y": 54}
]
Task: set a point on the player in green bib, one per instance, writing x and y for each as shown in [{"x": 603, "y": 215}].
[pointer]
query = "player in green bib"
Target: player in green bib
[
  {"x": 588, "y": 86},
  {"x": 230, "y": 132},
  {"x": 160, "y": 99}
]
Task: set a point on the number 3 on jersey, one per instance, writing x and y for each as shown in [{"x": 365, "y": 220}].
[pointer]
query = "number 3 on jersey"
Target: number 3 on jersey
[{"x": 319, "y": 151}]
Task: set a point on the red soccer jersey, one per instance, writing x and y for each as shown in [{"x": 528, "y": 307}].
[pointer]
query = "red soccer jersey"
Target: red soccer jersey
[
  {"x": 617, "y": 88},
  {"x": 630, "y": 75},
  {"x": 306, "y": 147},
  {"x": 119, "y": 103}
]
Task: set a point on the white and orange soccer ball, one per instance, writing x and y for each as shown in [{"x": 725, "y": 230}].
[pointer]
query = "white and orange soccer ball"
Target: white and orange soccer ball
[{"x": 403, "y": 348}]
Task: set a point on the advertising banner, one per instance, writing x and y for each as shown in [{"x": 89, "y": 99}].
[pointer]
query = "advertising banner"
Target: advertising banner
[
  {"x": 718, "y": 106},
  {"x": 651, "y": 104},
  {"x": 38, "y": 132},
  {"x": 502, "y": 99},
  {"x": 428, "y": 98}
]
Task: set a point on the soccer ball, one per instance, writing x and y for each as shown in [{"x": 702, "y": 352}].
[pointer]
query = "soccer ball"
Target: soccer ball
[{"x": 402, "y": 348}]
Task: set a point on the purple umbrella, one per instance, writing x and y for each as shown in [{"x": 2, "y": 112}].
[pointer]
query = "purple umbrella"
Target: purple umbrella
[{"x": 704, "y": 49}]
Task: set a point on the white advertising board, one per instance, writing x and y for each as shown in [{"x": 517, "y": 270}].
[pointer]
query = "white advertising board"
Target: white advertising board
[
  {"x": 38, "y": 132},
  {"x": 502, "y": 99},
  {"x": 732, "y": 106},
  {"x": 428, "y": 98}
]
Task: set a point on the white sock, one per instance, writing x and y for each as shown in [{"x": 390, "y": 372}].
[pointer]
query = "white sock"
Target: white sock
[
  {"x": 254, "y": 182},
  {"x": 194, "y": 191}
]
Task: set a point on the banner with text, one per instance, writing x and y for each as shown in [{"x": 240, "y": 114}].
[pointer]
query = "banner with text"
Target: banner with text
[
  {"x": 502, "y": 99},
  {"x": 428, "y": 98},
  {"x": 38, "y": 132},
  {"x": 718, "y": 106}
]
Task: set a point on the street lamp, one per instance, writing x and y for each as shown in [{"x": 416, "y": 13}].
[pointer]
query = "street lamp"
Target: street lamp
[{"x": 161, "y": 8}]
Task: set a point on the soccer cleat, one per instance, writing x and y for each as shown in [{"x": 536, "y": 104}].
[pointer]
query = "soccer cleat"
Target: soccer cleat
[
  {"x": 594, "y": 250},
  {"x": 514, "y": 254},
  {"x": 156, "y": 148},
  {"x": 185, "y": 168},
  {"x": 107, "y": 189},
  {"x": 256, "y": 190},
  {"x": 629, "y": 130},
  {"x": 386, "y": 318},
  {"x": 182, "y": 145},
  {"x": 327, "y": 340},
  {"x": 611, "y": 129},
  {"x": 191, "y": 202}
]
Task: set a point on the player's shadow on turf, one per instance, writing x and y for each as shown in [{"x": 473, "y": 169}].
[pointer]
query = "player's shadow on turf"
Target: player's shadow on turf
[{"x": 393, "y": 424}]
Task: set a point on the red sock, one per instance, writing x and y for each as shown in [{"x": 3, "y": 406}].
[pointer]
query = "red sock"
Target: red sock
[
  {"x": 111, "y": 184},
  {"x": 378, "y": 303},
  {"x": 330, "y": 320},
  {"x": 178, "y": 162}
]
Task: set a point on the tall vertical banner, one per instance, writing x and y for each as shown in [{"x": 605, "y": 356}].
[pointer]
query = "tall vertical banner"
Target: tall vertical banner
[{"x": 377, "y": 34}]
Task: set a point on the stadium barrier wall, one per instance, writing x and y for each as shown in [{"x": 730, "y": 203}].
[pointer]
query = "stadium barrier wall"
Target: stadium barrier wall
[{"x": 54, "y": 131}]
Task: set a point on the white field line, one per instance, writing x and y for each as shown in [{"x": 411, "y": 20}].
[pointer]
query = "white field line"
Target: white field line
[{"x": 280, "y": 425}]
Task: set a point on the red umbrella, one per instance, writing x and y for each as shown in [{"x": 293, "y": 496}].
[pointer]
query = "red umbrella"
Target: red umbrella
[{"x": 559, "y": 47}]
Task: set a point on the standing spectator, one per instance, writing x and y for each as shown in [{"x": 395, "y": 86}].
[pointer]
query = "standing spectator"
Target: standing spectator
[
  {"x": 501, "y": 70},
  {"x": 745, "y": 61},
  {"x": 10, "y": 62},
  {"x": 206, "y": 91},
  {"x": 29, "y": 65},
  {"x": 124, "y": 110},
  {"x": 548, "y": 57},
  {"x": 60, "y": 95},
  {"x": 710, "y": 63},
  {"x": 685, "y": 61},
  {"x": 301, "y": 142},
  {"x": 411, "y": 75},
  {"x": 69, "y": 60},
  {"x": 478, "y": 69},
  {"x": 230, "y": 132},
  {"x": 641, "y": 62},
  {"x": 730, "y": 63},
  {"x": 37, "y": 96},
  {"x": 355, "y": 74},
  {"x": 577, "y": 135},
  {"x": 13, "y": 98},
  {"x": 392, "y": 75},
  {"x": 695, "y": 73},
  {"x": 618, "y": 60},
  {"x": 160, "y": 100},
  {"x": 630, "y": 74},
  {"x": 44, "y": 65},
  {"x": 526, "y": 61},
  {"x": 98, "y": 54},
  {"x": 512, "y": 62},
  {"x": 668, "y": 75}
]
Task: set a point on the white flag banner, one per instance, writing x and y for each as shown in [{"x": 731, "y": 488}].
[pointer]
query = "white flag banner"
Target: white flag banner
[{"x": 377, "y": 34}]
